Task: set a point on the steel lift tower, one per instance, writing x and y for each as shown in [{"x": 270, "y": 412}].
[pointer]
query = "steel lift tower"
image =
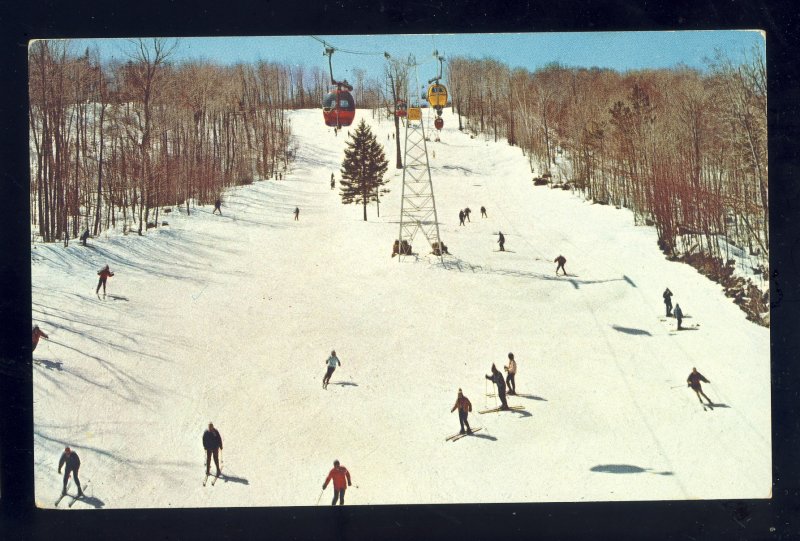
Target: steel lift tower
[{"x": 418, "y": 206}]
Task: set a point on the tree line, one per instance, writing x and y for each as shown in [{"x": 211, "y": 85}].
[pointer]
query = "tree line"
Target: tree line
[
  {"x": 684, "y": 149},
  {"x": 112, "y": 143}
]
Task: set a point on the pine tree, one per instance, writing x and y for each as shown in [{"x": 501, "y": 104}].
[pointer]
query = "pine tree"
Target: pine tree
[{"x": 363, "y": 168}]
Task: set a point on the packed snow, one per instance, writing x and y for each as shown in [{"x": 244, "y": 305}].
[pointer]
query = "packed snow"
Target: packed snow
[{"x": 230, "y": 319}]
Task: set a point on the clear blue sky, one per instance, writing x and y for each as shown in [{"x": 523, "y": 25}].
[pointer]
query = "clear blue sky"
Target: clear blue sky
[{"x": 616, "y": 50}]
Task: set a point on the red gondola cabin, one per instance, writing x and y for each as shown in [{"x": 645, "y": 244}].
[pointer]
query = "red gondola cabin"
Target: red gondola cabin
[{"x": 338, "y": 108}]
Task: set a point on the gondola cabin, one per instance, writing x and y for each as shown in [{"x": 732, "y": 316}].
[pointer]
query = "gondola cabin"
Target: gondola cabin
[
  {"x": 437, "y": 95},
  {"x": 400, "y": 108},
  {"x": 338, "y": 108}
]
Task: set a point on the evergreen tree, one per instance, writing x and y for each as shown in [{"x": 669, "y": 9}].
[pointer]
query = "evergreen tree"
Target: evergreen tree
[{"x": 363, "y": 168}]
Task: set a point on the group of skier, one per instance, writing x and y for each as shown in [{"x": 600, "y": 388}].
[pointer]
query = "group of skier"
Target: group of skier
[
  {"x": 463, "y": 214},
  {"x": 667, "y": 295}
]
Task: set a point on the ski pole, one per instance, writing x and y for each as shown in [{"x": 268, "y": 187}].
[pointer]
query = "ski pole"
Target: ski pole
[{"x": 319, "y": 497}]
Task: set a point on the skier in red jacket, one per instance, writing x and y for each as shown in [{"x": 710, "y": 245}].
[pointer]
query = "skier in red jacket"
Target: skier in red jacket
[
  {"x": 37, "y": 333},
  {"x": 104, "y": 274},
  {"x": 338, "y": 475},
  {"x": 464, "y": 406}
]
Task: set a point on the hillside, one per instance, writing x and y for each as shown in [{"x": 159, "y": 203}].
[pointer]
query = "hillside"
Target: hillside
[{"x": 230, "y": 319}]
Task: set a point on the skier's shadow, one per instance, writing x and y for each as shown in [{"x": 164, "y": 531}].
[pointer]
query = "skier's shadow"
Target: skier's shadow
[
  {"x": 715, "y": 405},
  {"x": 345, "y": 383},
  {"x": 484, "y": 436},
  {"x": 118, "y": 298},
  {"x": 530, "y": 397},
  {"x": 226, "y": 478},
  {"x": 523, "y": 413},
  {"x": 688, "y": 329},
  {"x": 95, "y": 502},
  {"x": 50, "y": 365}
]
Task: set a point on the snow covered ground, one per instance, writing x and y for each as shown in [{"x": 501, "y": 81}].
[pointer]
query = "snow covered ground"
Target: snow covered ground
[{"x": 230, "y": 319}]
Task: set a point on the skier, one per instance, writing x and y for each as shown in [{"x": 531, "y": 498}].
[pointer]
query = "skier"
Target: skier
[
  {"x": 212, "y": 443},
  {"x": 501, "y": 241},
  {"x": 460, "y": 217},
  {"x": 84, "y": 236},
  {"x": 679, "y": 316},
  {"x": 693, "y": 381},
  {"x": 338, "y": 475},
  {"x": 396, "y": 248},
  {"x": 668, "y": 301},
  {"x": 466, "y": 214},
  {"x": 104, "y": 274},
  {"x": 333, "y": 182},
  {"x": 38, "y": 333},
  {"x": 332, "y": 361},
  {"x": 217, "y": 205},
  {"x": 560, "y": 260},
  {"x": 483, "y": 212},
  {"x": 464, "y": 406},
  {"x": 512, "y": 371},
  {"x": 497, "y": 378},
  {"x": 296, "y": 213},
  {"x": 73, "y": 464}
]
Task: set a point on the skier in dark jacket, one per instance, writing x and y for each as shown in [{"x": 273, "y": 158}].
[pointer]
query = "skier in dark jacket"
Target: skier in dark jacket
[
  {"x": 668, "y": 301},
  {"x": 217, "y": 205},
  {"x": 38, "y": 333},
  {"x": 460, "y": 217},
  {"x": 560, "y": 260},
  {"x": 467, "y": 212},
  {"x": 297, "y": 213},
  {"x": 693, "y": 381},
  {"x": 338, "y": 475},
  {"x": 464, "y": 406},
  {"x": 104, "y": 274},
  {"x": 73, "y": 464},
  {"x": 501, "y": 241},
  {"x": 212, "y": 443},
  {"x": 84, "y": 236},
  {"x": 497, "y": 378},
  {"x": 332, "y": 362},
  {"x": 483, "y": 212},
  {"x": 679, "y": 316}
]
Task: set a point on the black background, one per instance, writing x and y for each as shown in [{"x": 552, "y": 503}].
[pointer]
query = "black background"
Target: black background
[{"x": 693, "y": 520}]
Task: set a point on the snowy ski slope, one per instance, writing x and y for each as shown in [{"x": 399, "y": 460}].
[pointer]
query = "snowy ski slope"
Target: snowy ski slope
[{"x": 230, "y": 319}]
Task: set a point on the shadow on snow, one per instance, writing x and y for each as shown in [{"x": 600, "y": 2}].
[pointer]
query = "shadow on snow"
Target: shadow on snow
[{"x": 626, "y": 468}]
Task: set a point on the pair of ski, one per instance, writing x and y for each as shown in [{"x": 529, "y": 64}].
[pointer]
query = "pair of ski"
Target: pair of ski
[
  {"x": 74, "y": 498},
  {"x": 690, "y": 326},
  {"x": 214, "y": 480},
  {"x": 456, "y": 437},
  {"x": 510, "y": 408}
]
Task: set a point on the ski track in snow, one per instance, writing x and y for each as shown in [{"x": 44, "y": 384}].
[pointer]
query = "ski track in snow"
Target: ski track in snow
[{"x": 230, "y": 319}]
